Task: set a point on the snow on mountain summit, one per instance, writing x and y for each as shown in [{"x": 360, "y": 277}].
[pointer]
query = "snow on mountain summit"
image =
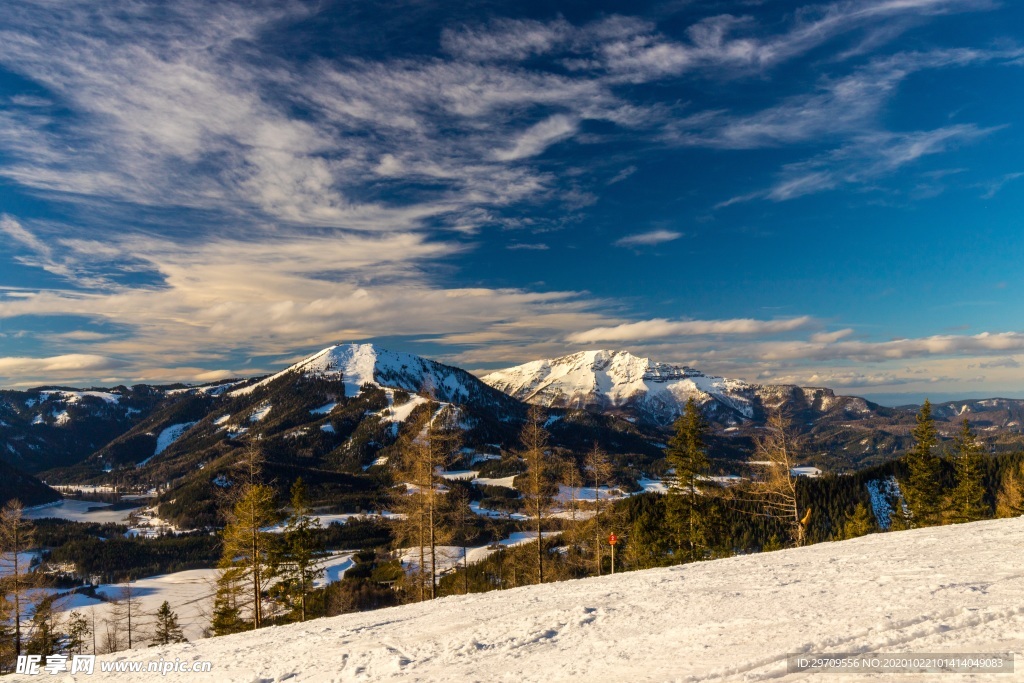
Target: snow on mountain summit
[
  {"x": 358, "y": 364},
  {"x": 610, "y": 380}
]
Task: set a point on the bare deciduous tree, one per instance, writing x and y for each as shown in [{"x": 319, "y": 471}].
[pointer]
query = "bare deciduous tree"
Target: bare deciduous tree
[
  {"x": 776, "y": 451},
  {"x": 537, "y": 488},
  {"x": 15, "y": 540},
  {"x": 599, "y": 470},
  {"x": 425, "y": 454}
]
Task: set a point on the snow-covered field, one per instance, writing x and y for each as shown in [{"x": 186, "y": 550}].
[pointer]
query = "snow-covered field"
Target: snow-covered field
[
  {"x": 951, "y": 589},
  {"x": 189, "y": 593},
  {"x": 451, "y": 556},
  {"x": 79, "y": 511}
]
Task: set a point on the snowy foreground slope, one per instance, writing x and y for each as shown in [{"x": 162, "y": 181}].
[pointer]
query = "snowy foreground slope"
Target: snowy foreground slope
[{"x": 942, "y": 590}]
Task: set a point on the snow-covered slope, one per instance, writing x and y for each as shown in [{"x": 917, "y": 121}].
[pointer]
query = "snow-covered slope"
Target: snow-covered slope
[
  {"x": 953, "y": 589},
  {"x": 359, "y": 364},
  {"x": 609, "y": 380}
]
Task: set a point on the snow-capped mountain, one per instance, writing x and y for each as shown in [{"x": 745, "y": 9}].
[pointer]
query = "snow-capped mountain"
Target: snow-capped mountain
[
  {"x": 619, "y": 381},
  {"x": 357, "y": 365}
]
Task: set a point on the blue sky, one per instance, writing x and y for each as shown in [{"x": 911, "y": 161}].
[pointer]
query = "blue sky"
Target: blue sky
[{"x": 824, "y": 194}]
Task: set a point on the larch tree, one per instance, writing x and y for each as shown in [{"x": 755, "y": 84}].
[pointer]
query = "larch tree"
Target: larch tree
[
  {"x": 443, "y": 442},
  {"x": 7, "y": 659},
  {"x": 686, "y": 506},
  {"x": 860, "y": 523},
  {"x": 599, "y": 471},
  {"x": 459, "y": 515},
  {"x": 569, "y": 476},
  {"x": 537, "y": 483},
  {"x": 1010, "y": 496},
  {"x": 776, "y": 453},
  {"x": 411, "y": 503},
  {"x": 166, "y": 630},
  {"x": 922, "y": 486},
  {"x": 129, "y": 602},
  {"x": 18, "y": 581},
  {"x": 247, "y": 548},
  {"x": 432, "y": 447},
  {"x": 967, "y": 503}
]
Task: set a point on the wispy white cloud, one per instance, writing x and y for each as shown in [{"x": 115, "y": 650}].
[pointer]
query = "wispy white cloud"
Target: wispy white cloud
[
  {"x": 56, "y": 368},
  {"x": 830, "y": 337},
  {"x": 865, "y": 159},
  {"x": 998, "y": 184},
  {"x": 845, "y": 112},
  {"x": 536, "y": 246},
  {"x": 660, "y": 328},
  {"x": 539, "y": 137},
  {"x": 647, "y": 239}
]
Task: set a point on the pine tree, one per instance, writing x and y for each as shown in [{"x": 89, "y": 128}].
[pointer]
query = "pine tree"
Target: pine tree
[
  {"x": 166, "y": 630},
  {"x": 648, "y": 544},
  {"x": 227, "y": 612},
  {"x": 303, "y": 550},
  {"x": 968, "y": 500},
  {"x": 860, "y": 523},
  {"x": 686, "y": 506},
  {"x": 922, "y": 487},
  {"x": 599, "y": 470},
  {"x": 78, "y": 632},
  {"x": 45, "y": 638},
  {"x": 537, "y": 484}
]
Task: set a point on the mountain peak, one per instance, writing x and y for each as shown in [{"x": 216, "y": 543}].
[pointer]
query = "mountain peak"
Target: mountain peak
[
  {"x": 606, "y": 379},
  {"x": 357, "y": 365}
]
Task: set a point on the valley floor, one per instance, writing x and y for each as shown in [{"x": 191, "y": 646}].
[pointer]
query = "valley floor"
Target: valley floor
[{"x": 953, "y": 589}]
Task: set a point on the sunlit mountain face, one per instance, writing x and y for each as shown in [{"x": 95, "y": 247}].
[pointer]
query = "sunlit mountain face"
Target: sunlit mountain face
[{"x": 825, "y": 195}]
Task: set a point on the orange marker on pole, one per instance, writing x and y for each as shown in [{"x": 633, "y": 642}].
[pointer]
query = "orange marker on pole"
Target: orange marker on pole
[{"x": 612, "y": 540}]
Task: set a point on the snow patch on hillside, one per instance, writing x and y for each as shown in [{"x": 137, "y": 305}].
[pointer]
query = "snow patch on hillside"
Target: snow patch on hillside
[
  {"x": 77, "y": 396},
  {"x": 167, "y": 438},
  {"x": 885, "y": 495},
  {"x": 261, "y": 413},
  {"x": 401, "y": 413},
  {"x": 323, "y": 410}
]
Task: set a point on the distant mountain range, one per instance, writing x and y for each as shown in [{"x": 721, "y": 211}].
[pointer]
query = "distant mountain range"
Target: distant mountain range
[{"x": 334, "y": 417}]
